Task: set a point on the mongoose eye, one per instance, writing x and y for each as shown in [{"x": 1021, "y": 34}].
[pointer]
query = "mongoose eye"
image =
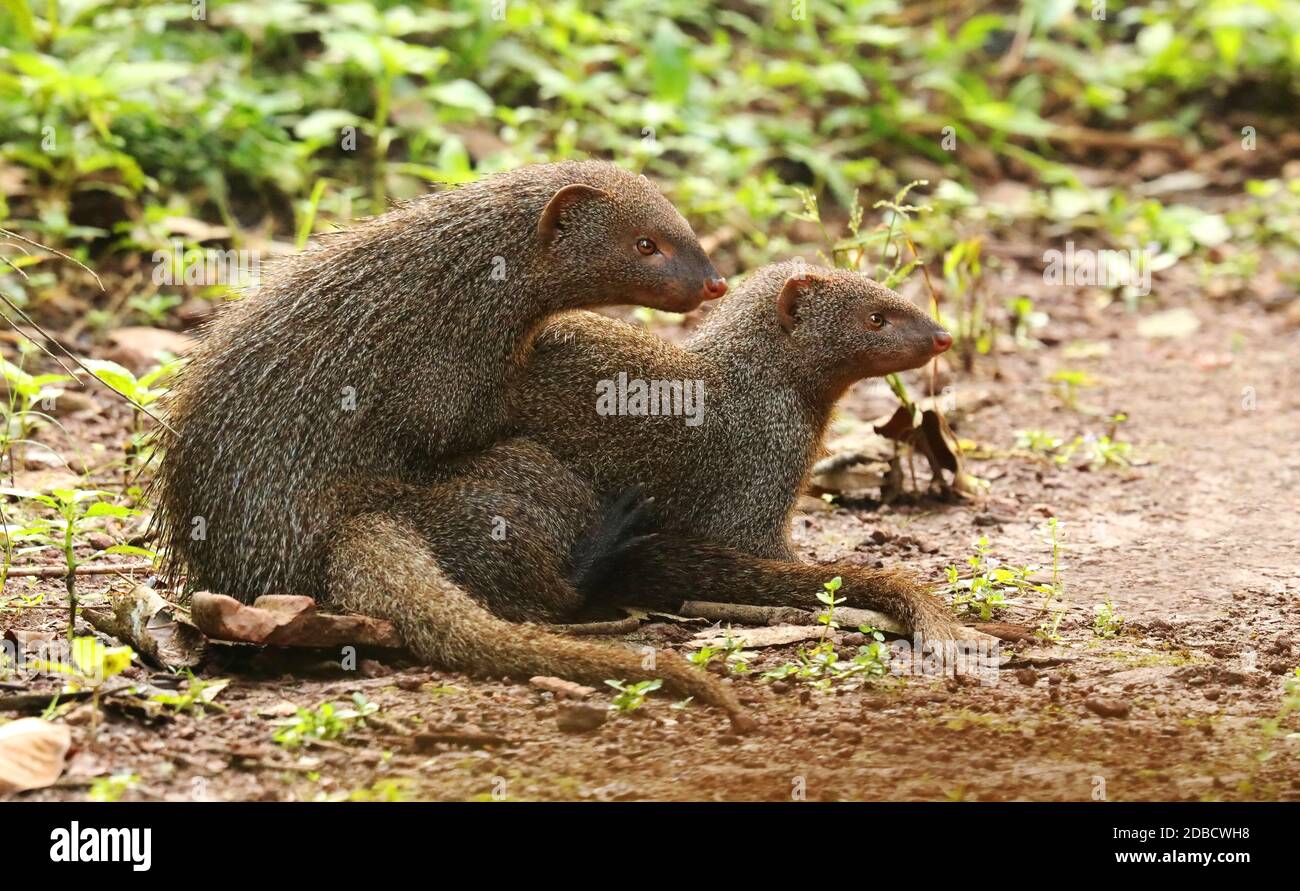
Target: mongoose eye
[
  {"x": 877, "y": 320},
  {"x": 646, "y": 246}
]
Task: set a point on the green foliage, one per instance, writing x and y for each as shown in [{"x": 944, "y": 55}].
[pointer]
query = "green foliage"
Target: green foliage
[
  {"x": 323, "y": 723},
  {"x": 112, "y": 788},
  {"x": 301, "y": 112},
  {"x": 197, "y": 697},
  {"x": 1107, "y": 623},
  {"x": 822, "y": 666},
  {"x": 632, "y": 696},
  {"x": 830, "y": 601},
  {"x": 70, "y": 513}
]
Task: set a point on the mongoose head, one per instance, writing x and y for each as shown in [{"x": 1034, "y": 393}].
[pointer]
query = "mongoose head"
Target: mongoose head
[
  {"x": 852, "y": 327},
  {"x": 618, "y": 240}
]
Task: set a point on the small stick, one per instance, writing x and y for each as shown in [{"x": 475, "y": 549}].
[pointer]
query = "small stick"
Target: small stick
[
  {"x": 746, "y": 614},
  {"x": 51, "y": 572},
  {"x": 615, "y": 626}
]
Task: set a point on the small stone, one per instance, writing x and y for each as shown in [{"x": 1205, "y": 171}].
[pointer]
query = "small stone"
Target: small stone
[
  {"x": 1027, "y": 676},
  {"x": 780, "y": 687},
  {"x": 100, "y": 540},
  {"x": 1105, "y": 707},
  {"x": 372, "y": 668},
  {"x": 847, "y": 733},
  {"x": 71, "y": 402},
  {"x": 579, "y": 718}
]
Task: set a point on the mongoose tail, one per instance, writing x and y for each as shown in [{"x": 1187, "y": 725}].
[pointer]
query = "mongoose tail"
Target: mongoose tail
[
  {"x": 379, "y": 566},
  {"x": 664, "y": 570}
]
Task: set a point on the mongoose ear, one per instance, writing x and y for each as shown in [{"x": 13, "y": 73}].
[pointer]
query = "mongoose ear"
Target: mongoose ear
[
  {"x": 796, "y": 288},
  {"x": 569, "y": 196}
]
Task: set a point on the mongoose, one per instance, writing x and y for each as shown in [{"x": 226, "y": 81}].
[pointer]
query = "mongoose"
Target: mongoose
[
  {"x": 455, "y": 561},
  {"x": 390, "y": 346},
  {"x": 773, "y": 359}
]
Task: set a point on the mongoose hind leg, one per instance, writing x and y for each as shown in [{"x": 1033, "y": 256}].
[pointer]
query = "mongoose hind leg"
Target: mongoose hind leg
[
  {"x": 667, "y": 569},
  {"x": 381, "y": 566}
]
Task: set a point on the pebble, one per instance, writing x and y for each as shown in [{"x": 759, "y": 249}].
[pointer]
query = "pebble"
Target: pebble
[
  {"x": 847, "y": 733},
  {"x": 1106, "y": 708},
  {"x": 580, "y": 718}
]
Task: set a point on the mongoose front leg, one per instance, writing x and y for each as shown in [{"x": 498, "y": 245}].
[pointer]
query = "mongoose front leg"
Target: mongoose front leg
[
  {"x": 668, "y": 569},
  {"x": 380, "y": 566}
]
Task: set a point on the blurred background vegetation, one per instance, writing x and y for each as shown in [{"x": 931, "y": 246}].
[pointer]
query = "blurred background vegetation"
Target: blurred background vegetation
[{"x": 129, "y": 124}]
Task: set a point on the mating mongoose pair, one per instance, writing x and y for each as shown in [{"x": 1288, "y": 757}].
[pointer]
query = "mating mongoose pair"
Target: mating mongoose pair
[{"x": 326, "y": 431}]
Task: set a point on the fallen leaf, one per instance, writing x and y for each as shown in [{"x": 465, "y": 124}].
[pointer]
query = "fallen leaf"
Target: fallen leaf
[
  {"x": 32, "y": 753},
  {"x": 771, "y": 636}
]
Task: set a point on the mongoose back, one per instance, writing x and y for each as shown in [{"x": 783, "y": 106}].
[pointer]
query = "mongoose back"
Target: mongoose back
[{"x": 390, "y": 346}]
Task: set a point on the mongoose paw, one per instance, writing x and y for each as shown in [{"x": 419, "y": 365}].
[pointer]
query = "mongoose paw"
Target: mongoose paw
[{"x": 619, "y": 529}]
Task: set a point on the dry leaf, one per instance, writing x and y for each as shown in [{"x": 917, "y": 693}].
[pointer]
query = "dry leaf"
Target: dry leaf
[{"x": 32, "y": 754}]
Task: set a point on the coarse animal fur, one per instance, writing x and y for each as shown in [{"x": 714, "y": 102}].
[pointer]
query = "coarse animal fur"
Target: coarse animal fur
[{"x": 385, "y": 350}]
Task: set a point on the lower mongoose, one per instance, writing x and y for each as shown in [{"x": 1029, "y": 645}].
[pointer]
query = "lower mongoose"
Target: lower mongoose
[
  {"x": 770, "y": 362},
  {"x": 453, "y": 563},
  {"x": 389, "y": 347}
]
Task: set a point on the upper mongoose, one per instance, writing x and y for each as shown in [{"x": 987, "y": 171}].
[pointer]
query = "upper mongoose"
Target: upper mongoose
[
  {"x": 768, "y": 363},
  {"x": 453, "y": 562},
  {"x": 392, "y": 344}
]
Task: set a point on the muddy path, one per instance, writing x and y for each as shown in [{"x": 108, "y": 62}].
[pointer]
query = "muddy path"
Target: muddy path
[{"x": 1195, "y": 545}]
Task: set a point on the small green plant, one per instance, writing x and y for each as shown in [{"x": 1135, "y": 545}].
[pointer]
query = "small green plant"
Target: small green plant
[
  {"x": 736, "y": 656},
  {"x": 822, "y": 666},
  {"x": 1055, "y": 590},
  {"x": 1276, "y": 726},
  {"x": 983, "y": 593},
  {"x": 20, "y": 413},
  {"x": 702, "y": 657},
  {"x": 112, "y": 788},
  {"x": 153, "y": 308},
  {"x": 324, "y": 723},
  {"x": 387, "y": 789},
  {"x": 1069, "y": 384},
  {"x": 197, "y": 697},
  {"x": 74, "y": 509},
  {"x": 828, "y": 598},
  {"x": 1102, "y": 451},
  {"x": 1039, "y": 441},
  {"x": 632, "y": 696},
  {"x": 140, "y": 392},
  {"x": 92, "y": 663},
  {"x": 1107, "y": 623}
]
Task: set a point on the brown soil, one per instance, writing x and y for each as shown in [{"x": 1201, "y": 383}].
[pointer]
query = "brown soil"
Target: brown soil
[{"x": 1195, "y": 545}]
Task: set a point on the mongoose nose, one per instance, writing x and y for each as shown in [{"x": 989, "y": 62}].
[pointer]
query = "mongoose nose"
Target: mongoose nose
[
  {"x": 715, "y": 287},
  {"x": 942, "y": 340}
]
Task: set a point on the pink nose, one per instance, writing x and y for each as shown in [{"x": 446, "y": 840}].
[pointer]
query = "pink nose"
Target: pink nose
[
  {"x": 715, "y": 287},
  {"x": 942, "y": 340}
]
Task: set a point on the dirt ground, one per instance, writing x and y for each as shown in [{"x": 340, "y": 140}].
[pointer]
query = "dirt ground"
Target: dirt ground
[{"x": 1195, "y": 545}]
